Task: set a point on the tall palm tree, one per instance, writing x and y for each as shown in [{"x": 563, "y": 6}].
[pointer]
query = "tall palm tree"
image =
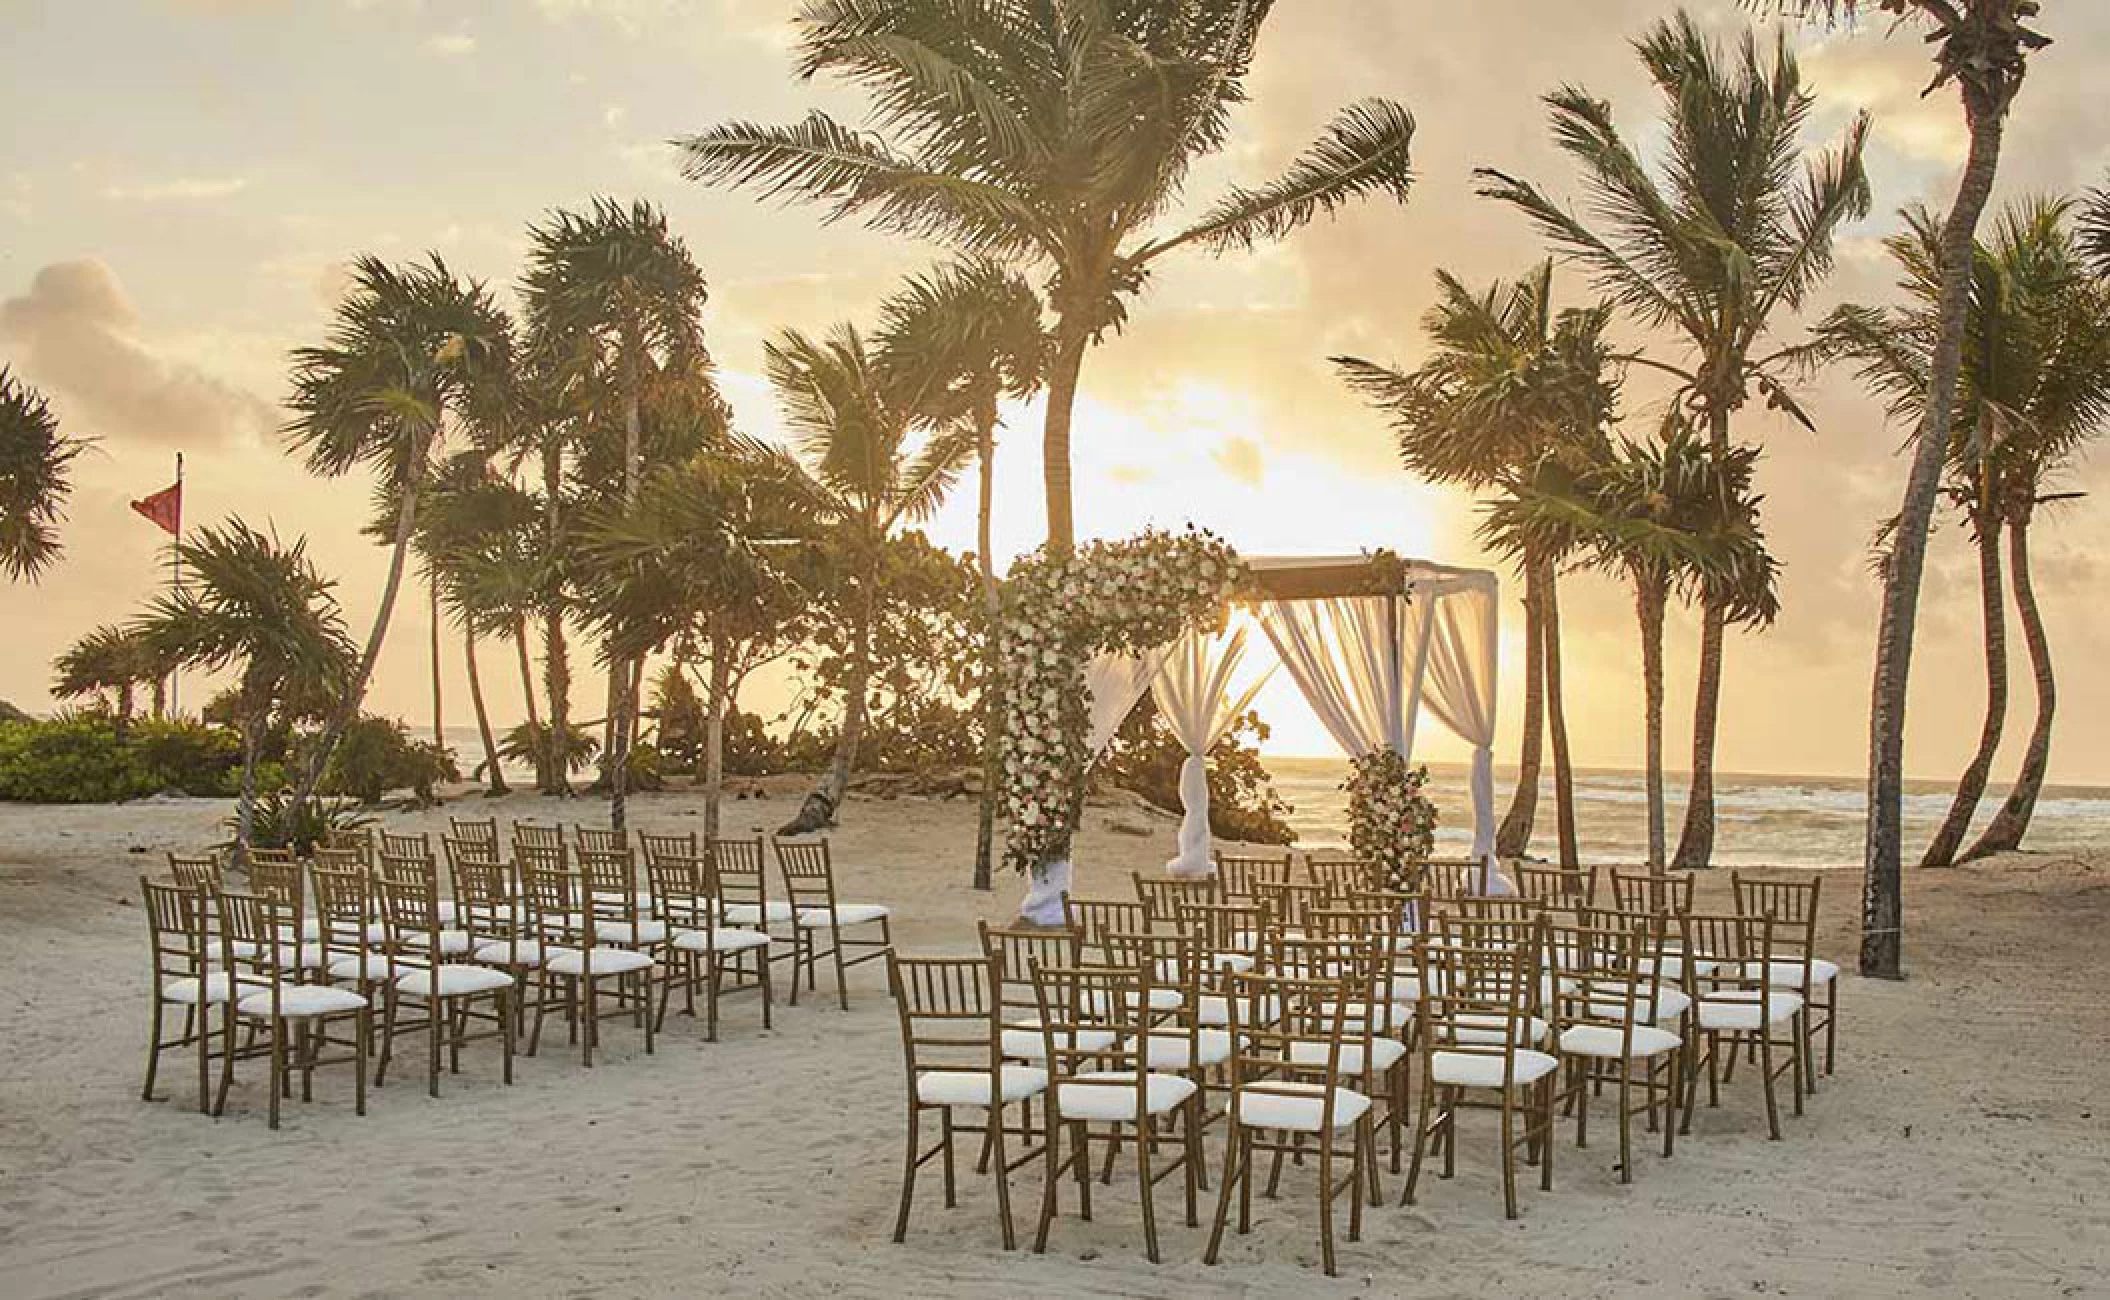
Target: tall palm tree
[
  {"x": 1737, "y": 228},
  {"x": 2024, "y": 373},
  {"x": 108, "y": 660},
  {"x": 614, "y": 291},
  {"x": 969, "y": 336},
  {"x": 412, "y": 350},
  {"x": 1982, "y": 47},
  {"x": 1511, "y": 384},
  {"x": 854, "y": 424},
  {"x": 255, "y": 605},
  {"x": 1053, "y": 134},
  {"x": 36, "y": 462}
]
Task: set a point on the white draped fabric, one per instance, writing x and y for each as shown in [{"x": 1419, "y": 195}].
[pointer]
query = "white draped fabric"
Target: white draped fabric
[
  {"x": 1459, "y": 688},
  {"x": 1199, "y": 696},
  {"x": 1345, "y": 655}
]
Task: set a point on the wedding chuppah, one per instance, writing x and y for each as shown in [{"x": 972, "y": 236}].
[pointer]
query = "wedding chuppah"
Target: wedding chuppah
[{"x": 1371, "y": 641}]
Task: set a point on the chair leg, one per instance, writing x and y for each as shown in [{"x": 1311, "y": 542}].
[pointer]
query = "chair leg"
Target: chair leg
[
  {"x": 153, "y": 1051},
  {"x": 1326, "y": 1203},
  {"x": 1233, "y": 1175},
  {"x": 362, "y": 1030},
  {"x": 1546, "y": 1091},
  {"x": 1049, "y": 1185},
  {"x": 227, "y": 1018},
  {"x": 1800, "y": 1031},
  {"x": 1831, "y": 1023},
  {"x": 1081, "y": 1136},
  {"x": 278, "y": 1066},
  {"x": 842, "y": 981},
  {"x": 1765, "y": 1066},
  {"x": 506, "y": 999},
  {"x": 1191, "y": 1135},
  {"x": 908, "y": 1175},
  {"x": 437, "y": 1013},
  {"x": 1626, "y": 1122},
  {"x": 1509, "y": 1155},
  {"x": 945, "y": 1139},
  {"x": 204, "y": 1023},
  {"x": 1150, "y": 1213},
  {"x": 388, "y": 1036},
  {"x": 1421, "y": 1142},
  {"x": 1003, "y": 1173},
  {"x": 762, "y": 967}
]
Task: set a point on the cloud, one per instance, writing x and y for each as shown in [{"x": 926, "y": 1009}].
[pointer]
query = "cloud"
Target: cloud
[
  {"x": 72, "y": 334},
  {"x": 1240, "y": 458},
  {"x": 182, "y": 189}
]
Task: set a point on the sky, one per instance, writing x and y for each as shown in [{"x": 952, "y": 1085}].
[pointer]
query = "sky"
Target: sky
[{"x": 184, "y": 182}]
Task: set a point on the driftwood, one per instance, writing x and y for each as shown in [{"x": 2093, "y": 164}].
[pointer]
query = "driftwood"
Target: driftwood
[{"x": 816, "y": 813}]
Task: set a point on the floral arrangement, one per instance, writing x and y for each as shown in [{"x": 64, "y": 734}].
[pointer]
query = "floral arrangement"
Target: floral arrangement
[
  {"x": 1390, "y": 821},
  {"x": 1127, "y": 596}
]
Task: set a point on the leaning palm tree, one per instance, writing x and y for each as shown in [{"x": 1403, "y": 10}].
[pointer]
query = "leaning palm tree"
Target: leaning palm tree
[
  {"x": 969, "y": 336},
  {"x": 854, "y": 424},
  {"x": 1512, "y": 383},
  {"x": 411, "y": 352},
  {"x": 1982, "y": 47},
  {"x": 614, "y": 294},
  {"x": 36, "y": 462},
  {"x": 1737, "y": 228},
  {"x": 1054, "y": 134},
  {"x": 259, "y": 607},
  {"x": 2024, "y": 374},
  {"x": 108, "y": 661}
]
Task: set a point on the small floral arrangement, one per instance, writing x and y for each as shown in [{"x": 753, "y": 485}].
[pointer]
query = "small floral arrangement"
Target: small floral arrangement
[
  {"x": 1126, "y": 596},
  {"x": 1390, "y": 821}
]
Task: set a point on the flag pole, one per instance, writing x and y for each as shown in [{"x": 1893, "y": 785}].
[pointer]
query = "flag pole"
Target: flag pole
[{"x": 176, "y": 573}]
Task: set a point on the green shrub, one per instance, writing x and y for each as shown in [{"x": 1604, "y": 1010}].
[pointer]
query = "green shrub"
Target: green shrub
[
  {"x": 525, "y": 744},
  {"x": 274, "y": 824},
  {"x": 78, "y": 758},
  {"x": 1243, "y": 805},
  {"x": 377, "y": 755}
]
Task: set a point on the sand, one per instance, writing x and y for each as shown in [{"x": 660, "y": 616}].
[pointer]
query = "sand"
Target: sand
[{"x": 1963, "y": 1149}]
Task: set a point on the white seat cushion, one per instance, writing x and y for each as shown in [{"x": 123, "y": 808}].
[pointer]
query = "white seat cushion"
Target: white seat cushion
[
  {"x": 1473, "y": 1070},
  {"x": 1673, "y": 965},
  {"x": 971, "y": 1087},
  {"x": 1171, "y": 1051},
  {"x": 1392, "y": 1017},
  {"x": 1269, "y": 1105},
  {"x": 374, "y": 966},
  {"x": 1475, "y": 1028},
  {"x": 302, "y": 1000},
  {"x": 1788, "y": 974},
  {"x": 1384, "y": 1054},
  {"x": 1603, "y": 1041},
  {"x": 623, "y": 932},
  {"x": 1215, "y": 1008},
  {"x": 846, "y": 914},
  {"x": 1671, "y": 1003},
  {"x": 291, "y": 956},
  {"x": 1111, "y": 1095},
  {"x": 214, "y": 988},
  {"x": 723, "y": 939},
  {"x": 1161, "y": 999},
  {"x": 748, "y": 914},
  {"x": 1026, "y": 1041},
  {"x": 510, "y": 952},
  {"x": 456, "y": 981},
  {"x": 1738, "y": 1009},
  {"x": 1236, "y": 962},
  {"x": 606, "y": 961},
  {"x": 453, "y": 943}
]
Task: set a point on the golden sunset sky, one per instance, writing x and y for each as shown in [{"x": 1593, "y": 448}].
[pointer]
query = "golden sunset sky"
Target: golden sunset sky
[{"x": 182, "y": 183}]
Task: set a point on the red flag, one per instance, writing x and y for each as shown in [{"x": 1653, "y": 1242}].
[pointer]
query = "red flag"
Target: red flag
[{"x": 164, "y": 508}]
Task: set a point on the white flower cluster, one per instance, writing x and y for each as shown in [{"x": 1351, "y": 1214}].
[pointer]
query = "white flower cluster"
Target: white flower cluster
[
  {"x": 1125, "y": 596},
  {"x": 1390, "y": 821}
]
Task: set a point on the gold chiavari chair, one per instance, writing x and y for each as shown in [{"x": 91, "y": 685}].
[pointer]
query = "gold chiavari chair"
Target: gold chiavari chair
[
  {"x": 1793, "y": 904},
  {"x": 1111, "y": 1087},
  {"x": 1342, "y": 876},
  {"x": 1652, "y": 891},
  {"x": 261, "y": 951},
  {"x": 1556, "y": 886},
  {"x": 200, "y": 871},
  {"x": 743, "y": 881},
  {"x": 1233, "y": 934},
  {"x": 1161, "y": 896},
  {"x": 1095, "y": 918},
  {"x": 355, "y": 839},
  {"x": 452, "y": 995},
  {"x": 562, "y": 918},
  {"x": 415, "y": 845},
  {"x": 1480, "y": 1023},
  {"x": 818, "y": 915},
  {"x": 652, "y": 846},
  {"x": 1737, "y": 1006},
  {"x": 481, "y": 831},
  {"x": 950, "y": 1035},
  {"x": 597, "y": 839},
  {"x": 1287, "y": 901},
  {"x": 489, "y": 909},
  {"x": 701, "y": 948},
  {"x": 419, "y": 873},
  {"x": 352, "y": 935},
  {"x": 547, "y": 839},
  {"x": 1012, "y": 952},
  {"x": 181, "y": 945},
  {"x": 1608, "y": 1006},
  {"x": 1451, "y": 879},
  {"x": 1237, "y": 873},
  {"x": 1360, "y": 943},
  {"x": 1290, "y": 1095}
]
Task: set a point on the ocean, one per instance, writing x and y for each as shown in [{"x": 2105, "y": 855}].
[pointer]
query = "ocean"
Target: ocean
[{"x": 1800, "y": 821}]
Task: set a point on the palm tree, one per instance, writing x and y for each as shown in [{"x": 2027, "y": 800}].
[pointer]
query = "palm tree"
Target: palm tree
[
  {"x": 1053, "y": 134},
  {"x": 36, "y": 462},
  {"x": 2027, "y": 380},
  {"x": 614, "y": 293},
  {"x": 410, "y": 347},
  {"x": 1511, "y": 384},
  {"x": 112, "y": 660},
  {"x": 1982, "y": 47},
  {"x": 259, "y": 607},
  {"x": 969, "y": 335},
  {"x": 854, "y": 424},
  {"x": 1738, "y": 228}
]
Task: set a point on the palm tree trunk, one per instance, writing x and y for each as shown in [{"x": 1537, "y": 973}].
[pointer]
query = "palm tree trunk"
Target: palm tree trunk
[
  {"x": 432, "y": 594},
  {"x": 992, "y": 687},
  {"x": 123, "y": 721},
  {"x": 720, "y": 691},
  {"x": 1970, "y": 788},
  {"x": 1882, "y": 897},
  {"x": 2011, "y": 823},
  {"x": 1696, "y": 840},
  {"x": 494, "y": 776},
  {"x": 1070, "y": 343},
  {"x": 1651, "y": 594},
  {"x": 818, "y": 810},
  {"x": 252, "y": 722},
  {"x": 623, "y": 673},
  {"x": 161, "y": 697},
  {"x": 519, "y": 638},
  {"x": 556, "y": 666},
  {"x": 1513, "y": 837},
  {"x": 355, "y": 690},
  {"x": 1557, "y": 728}
]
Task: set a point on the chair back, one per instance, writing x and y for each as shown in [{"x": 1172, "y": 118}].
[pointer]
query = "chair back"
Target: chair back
[
  {"x": 475, "y": 830},
  {"x": 653, "y": 847},
  {"x": 1012, "y": 952},
  {"x": 1161, "y": 896},
  {"x": 1342, "y": 876},
  {"x": 341, "y": 858},
  {"x": 599, "y": 839},
  {"x": 260, "y": 942},
  {"x": 486, "y": 903},
  {"x": 544, "y": 839},
  {"x": 176, "y": 929},
  {"x": 1652, "y": 891},
  {"x": 1239, "y": 927},
  {"x": 1793, "y": 906},
  {"x": 1602, "y": 975},
  {"x": 1729, "y": 956},
  {"x": 407, "y": 892},
  {"x": 808, "y": 873},
  {"x": 608, "y": 879},
  {"x": 1451, "y": 878},
  {"x": 202, "y": 871},
  {"x": 1287, "y": 1033},
  {"x": 1551, "y": 886},
  {"x": 1483, "y": 990},
  {"x": 1095, "y": 918},
  {"x": 684, "y": 890},
  {"x": 357, "y": 839},
  {"x": 743, "y": 878},
  {"x": 1287, "y": 901},
  {"x": 1079, "y": 1007},
  {"x": 417, "y": 844},
  {"x": 553, "y": 901},
  {"x": 948, "y": 1010},
  {"x": 1237, "y": 873}
]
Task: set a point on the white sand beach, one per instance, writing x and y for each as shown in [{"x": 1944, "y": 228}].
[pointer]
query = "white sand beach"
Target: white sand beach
[{"x": 1962, "y": 1149}]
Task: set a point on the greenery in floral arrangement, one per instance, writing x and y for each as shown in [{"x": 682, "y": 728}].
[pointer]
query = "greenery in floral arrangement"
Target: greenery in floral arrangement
[
  {"x": 1146, "y": 757},
  {"x": 1128, "y": 596},
  {"x": 1390, "y": 821}
]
